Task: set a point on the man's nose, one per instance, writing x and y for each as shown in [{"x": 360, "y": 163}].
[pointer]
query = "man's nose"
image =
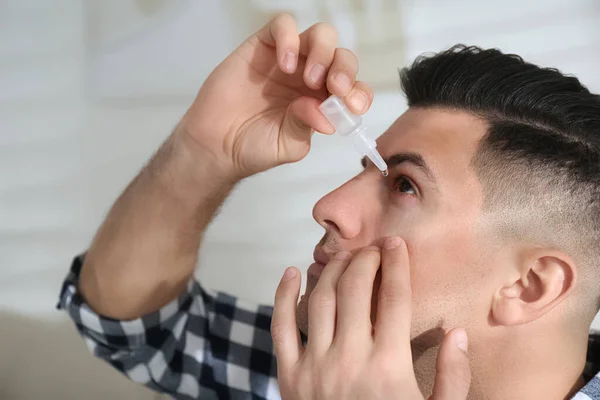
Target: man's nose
[{"x": 344, "y": 209}]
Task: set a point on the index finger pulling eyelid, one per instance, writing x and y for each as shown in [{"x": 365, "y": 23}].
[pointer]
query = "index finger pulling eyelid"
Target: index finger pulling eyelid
[
  {"x": 394, "y": 298},
  {"x": 354, "y": 293},
  {"x": 392, "y": 243},
  {"x": 394, "y": 263}
]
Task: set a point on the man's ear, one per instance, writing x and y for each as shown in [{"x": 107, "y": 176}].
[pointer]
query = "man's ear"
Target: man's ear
[{"x": 546, "y": 277}]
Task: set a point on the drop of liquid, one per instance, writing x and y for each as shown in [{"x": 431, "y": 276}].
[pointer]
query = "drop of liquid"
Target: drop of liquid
[{"x": 385, "y": 173}]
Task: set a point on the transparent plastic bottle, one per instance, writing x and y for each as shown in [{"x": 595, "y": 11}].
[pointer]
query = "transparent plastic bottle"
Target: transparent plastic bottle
[{"x": 348, "y": 124}]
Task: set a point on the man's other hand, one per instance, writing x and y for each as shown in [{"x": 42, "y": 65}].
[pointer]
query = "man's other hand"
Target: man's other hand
[
  {"x": 259, "y": 107},
  {"x": 349, "y": 357}
]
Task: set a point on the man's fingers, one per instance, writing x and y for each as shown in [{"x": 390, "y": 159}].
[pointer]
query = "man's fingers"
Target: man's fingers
[
  {"x": 282, "y": 33},
  {"x": 342, "y": 73},
  {"x": 284, "y": 330},
  {"x": 302, "y": 117},
  {"x": 453, "y": 374},
  {"x": 392, "y": 327},
  {"x": 318, "y": 44},
  {"x": 322, "y": 304},
  {"x": 360, "y": 98},
  {"x": 354, "y": 293},
  {"x": 326, "y": 68}
]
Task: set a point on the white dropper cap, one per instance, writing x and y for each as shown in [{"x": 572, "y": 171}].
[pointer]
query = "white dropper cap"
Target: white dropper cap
[{"x": 348, "y": 124}]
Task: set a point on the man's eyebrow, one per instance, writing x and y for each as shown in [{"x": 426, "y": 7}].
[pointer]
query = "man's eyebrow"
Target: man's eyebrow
[{"x": 412, "y": 158}]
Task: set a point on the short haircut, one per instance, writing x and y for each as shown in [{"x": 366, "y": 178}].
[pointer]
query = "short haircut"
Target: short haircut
[{"x": 539, "y": 162}]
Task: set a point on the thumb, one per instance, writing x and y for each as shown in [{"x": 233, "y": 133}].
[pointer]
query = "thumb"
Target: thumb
[
  {"x": 301, "y": 119},
  {"x": 453, "y": 374}
]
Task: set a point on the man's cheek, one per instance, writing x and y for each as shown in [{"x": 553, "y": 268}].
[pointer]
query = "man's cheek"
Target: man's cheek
[{"x": 432, "y": 280}]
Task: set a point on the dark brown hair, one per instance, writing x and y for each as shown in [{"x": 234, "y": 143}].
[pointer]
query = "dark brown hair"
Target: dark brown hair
[{"x": 539, "y": 162}]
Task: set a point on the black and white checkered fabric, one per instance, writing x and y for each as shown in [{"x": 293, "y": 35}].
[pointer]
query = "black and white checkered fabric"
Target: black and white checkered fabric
[{"x": 203, "y": 345}]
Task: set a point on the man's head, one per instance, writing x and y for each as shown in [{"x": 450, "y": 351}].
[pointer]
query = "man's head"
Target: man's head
[{"x": 494, "y": 185}]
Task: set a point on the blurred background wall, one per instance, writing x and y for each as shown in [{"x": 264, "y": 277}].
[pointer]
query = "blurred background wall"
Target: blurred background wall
[{"x": 89, "y": 89}]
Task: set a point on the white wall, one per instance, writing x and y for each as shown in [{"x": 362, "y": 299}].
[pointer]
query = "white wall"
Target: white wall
[{"x": 79, "y": 117}]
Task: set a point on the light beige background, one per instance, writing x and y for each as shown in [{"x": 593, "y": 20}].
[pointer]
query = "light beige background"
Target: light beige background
[{"x": 89, "y": 90}]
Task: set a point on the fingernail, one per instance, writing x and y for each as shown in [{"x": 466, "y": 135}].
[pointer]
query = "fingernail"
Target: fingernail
[
  {"x": 317, "y": 74},
  {"x": 343, "y": 255},
  {"x": 289, "y": 61},
  {"x": 461, "y": 340},
  {"x": 392, "y": 242},
  {"x": 289, "y": 273},
  {"x": 343, "y": 81},
  {"x": 358, "y": 100}
]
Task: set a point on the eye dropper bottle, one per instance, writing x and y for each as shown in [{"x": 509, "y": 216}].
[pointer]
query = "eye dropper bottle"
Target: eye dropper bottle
[{"x": 348, "y": 124}]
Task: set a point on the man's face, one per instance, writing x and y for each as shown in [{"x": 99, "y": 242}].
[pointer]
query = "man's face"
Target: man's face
[{"x": 432, "y": 198}]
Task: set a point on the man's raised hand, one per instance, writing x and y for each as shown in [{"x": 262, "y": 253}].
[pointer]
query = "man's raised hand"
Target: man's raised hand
[{"x": 259, "y": 107}]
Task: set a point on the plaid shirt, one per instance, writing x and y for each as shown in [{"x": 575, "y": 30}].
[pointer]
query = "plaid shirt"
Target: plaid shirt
[{"x": 206, "y": 345}]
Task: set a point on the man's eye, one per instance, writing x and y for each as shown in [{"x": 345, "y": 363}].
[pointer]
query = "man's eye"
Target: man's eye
[{"x": 403, "y": 185}]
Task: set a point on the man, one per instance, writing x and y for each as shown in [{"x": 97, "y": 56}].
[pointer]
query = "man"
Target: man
[{"x": 493, "y": 188}]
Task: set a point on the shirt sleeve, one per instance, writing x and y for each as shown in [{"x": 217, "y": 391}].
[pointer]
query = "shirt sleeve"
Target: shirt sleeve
[{"x": 201, "y": 345}]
